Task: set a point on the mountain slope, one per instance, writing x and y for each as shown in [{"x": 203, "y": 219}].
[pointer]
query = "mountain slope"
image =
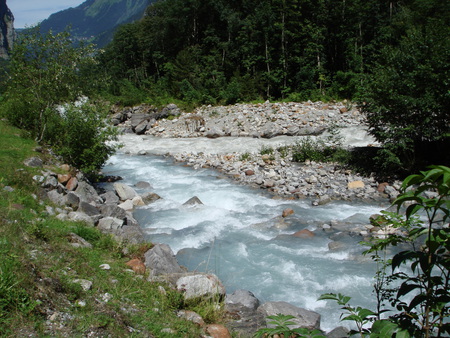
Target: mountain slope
[
  {"x": 6, "y": 30},
  {"x": 96, "y": 20}
]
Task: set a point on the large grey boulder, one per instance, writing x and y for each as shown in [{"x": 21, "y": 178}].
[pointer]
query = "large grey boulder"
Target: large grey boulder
[
  {"x": 303, "y": 318},
  {"x": 110, "y": 223},
  {"x": 112, "y": 210},
  {"x": 124, "y": 191},
  {"x": 88, "y": 209},
  {"x": 160, "y": 260},
  {"x": 87, "y": 193},
  {"x": 241, "y": 298},
  {"x": 81, "y": 217},
  {"x": 201, "y": 285}
]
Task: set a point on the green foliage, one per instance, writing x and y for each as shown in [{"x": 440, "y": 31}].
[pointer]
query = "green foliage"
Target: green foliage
[
  {"x": 282, "y": 323},
  {"x": 266, "y": 150},
  {"x": 419, "y": 295},
  {"x": 406, "y": 97},
  {"x": 47, "y": 71},
  {"x": 81, "y": 135}
]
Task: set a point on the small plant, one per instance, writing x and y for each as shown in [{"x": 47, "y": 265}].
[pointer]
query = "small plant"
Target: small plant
[
  {"x": 245, "y": 156},
  {"x": 282, "y": 323},
  {"x": 266, "y": 150}
]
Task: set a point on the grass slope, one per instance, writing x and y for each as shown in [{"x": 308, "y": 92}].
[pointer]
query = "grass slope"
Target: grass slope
[{"x": 38, "y": 266}]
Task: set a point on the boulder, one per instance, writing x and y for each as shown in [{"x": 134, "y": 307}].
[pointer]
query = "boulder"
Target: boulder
[
  {"x": 150, "y": 197},
  {"x": 88, "y": 209},
  {"x": 127, "y": 205},
  {"x": 56, "y": 198},
  {"x": 137, "y": 266},
  {"x": 141, "y": 127},
  {"x": 110, "y": 197},
  {"x": 191, "y": 316},
  {"x": 80, "y": 217},
  {"x": 193, "y": 201},
  {"x": 217, "y": 331},
  {"x": 142, "y": 185},
  {"x": 305, "y": 233},
  {"x": 160, "y": 260},
  {"x": 112, "y": 210},
  {"x": 130, "y": 234},
  {"x": 355, "y": 185},
  {"x": 287, "y": 212},
  {"x": 241, "y": 298},
  {"x": 64, "y": 178},
  {"x": 339, "y": 332},
  {"x": 124, "y": 191},
  {"x": 72, "y": 184},
  {"x": 78, "y": 242},
  {"x": 214, "y": 133},
  {"x": 110, "y": 223},
  {"x": 303, "y": 318},
  {"x": 201, "y": 285},
  {"x": 34, "y": 162},
  {"x": 72, "y": 200},
  {"x": 87, "y": 193}
]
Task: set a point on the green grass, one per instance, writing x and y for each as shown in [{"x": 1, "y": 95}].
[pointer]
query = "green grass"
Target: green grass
[{"x": 38, "y": 266}]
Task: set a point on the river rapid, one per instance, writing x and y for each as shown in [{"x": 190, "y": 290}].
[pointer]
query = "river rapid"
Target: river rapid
[{"x": 238, "y": 233}]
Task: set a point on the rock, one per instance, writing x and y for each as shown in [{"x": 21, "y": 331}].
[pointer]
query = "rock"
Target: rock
[
  {"x": 287, "y": 212},
  {"x": 105, "y": 267},
  {"x": 56, "y": 198},
  {"x": 81, "y": 217},
  {"x": 72, "y": 200},
  {"x": 110, "y": 223},
  {"x": 217, "y": 331},
  {"x": 249, "y": 172},
  {"x": 336, "y": 245},
  {"x": 355, "y": 185},
  {"x": 382, "y": 186},
  {"x": 160, "y": 260},
  {"x": 200, "y": 285},
  {"x": 87, "y": 193},
  {"x": 137, "y": 201},
  {"x": 112, "y": 210},
  {"x": 34, "y": 162},
  {"x": 150, "y": 197},
  {"x": 124, "y": 191},
  {"x": 88, "y": 209},
  {"x": 63, "y": 179},
  {"x": 137, "y": 266},
  {"x": 241, "y": 298},
  {"x": 193, "y": 201},
  {"x": 191, "y": 316},
  {"x": 303, "y": 318},
  {"x": 339, "y": 332},
  {"x": 142, "y": 185},
  {"x": 127, "y": 205},
  {"x": 141, "y": 127},
  {"x": 85, "y": 284},
  {"x": 305, "y": 233},
  {"x": 78, "y": 242},
  {"x": 324, "y": 199},
  {"x": 72, "y": 184},
  {"x": 131, "y": 234},
  {"x": 110, "y": 197},
  {"x": 214, "y": 133}
]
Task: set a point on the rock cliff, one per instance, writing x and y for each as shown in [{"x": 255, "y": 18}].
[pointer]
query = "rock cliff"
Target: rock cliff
[{"x": 6, "y": 30}]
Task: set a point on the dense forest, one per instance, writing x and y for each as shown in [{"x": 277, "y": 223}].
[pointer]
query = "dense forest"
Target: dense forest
[{"x": 226, "y": 51}]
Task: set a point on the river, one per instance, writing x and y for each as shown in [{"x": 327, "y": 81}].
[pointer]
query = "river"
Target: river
[{"x": 238, "y": 233}]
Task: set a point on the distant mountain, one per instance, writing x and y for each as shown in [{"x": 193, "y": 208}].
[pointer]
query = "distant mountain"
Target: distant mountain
[
  {"x": 96, "y": 20},
  {"x": 6, "y": 30}
]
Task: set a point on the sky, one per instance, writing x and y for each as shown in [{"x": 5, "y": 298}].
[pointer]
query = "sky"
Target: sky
[{"x": 31, "y": 12}]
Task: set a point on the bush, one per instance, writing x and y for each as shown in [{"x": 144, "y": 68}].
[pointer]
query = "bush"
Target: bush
[{"x": 419, "y": 295}]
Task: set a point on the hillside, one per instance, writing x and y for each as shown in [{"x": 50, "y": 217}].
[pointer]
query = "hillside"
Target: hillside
[{"x": 96, "y": 20}]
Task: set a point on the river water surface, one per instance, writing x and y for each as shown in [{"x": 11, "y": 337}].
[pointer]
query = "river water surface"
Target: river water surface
[{"x": 237, "y": 234}]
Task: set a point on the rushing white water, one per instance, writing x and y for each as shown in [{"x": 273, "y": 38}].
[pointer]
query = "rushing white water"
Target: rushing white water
[{"x": 237, "y": 234}]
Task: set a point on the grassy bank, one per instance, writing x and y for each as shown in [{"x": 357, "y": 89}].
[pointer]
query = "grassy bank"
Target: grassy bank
[{"x": 38, "y": 267}]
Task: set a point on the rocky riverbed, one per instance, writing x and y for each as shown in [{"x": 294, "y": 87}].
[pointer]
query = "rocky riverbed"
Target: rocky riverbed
[{"x": 267, "y": 167}]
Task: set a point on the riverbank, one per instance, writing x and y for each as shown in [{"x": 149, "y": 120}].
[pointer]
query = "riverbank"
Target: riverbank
[{"x": 254, "y": 144}]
